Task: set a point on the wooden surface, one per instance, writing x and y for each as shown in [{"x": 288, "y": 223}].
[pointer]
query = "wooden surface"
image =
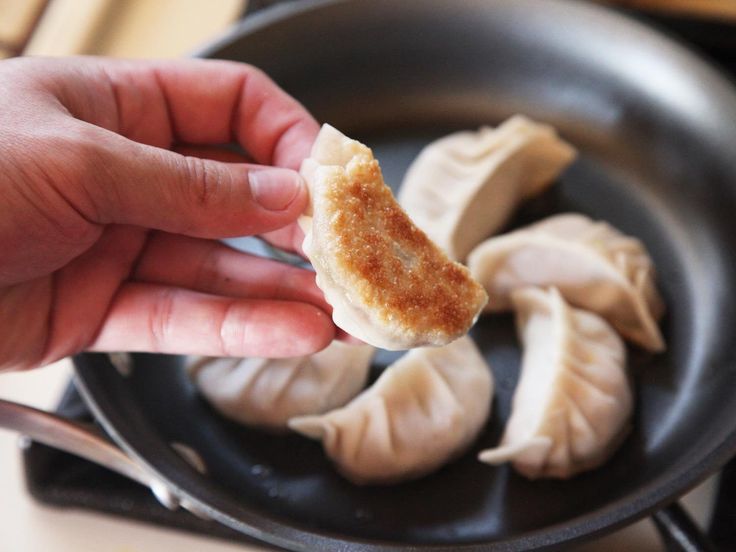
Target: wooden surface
[
  {"x": 68, "y": 27},
  {"x": 712, "y": 9},
  {"x": 167, "y": 27},
  {"x": 129, "y": 28},
  {"x": 17, "y": 19}
]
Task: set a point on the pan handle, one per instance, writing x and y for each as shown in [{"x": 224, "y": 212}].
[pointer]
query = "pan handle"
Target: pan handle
[
  {"x": 86, "y": 441},
  {"x": 679, "y": 532}
]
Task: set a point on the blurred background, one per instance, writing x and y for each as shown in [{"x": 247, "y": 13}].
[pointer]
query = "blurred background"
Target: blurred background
[
  {"x": 170, "y": 28},
  {"x": 121, "y": 28}
]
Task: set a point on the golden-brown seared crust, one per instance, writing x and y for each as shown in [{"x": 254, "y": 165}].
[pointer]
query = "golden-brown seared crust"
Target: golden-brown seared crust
[{"x": 396, "y": 270}]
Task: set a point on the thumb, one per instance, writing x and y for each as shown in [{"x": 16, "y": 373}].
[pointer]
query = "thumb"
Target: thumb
[{"x": 156, "y": 188}]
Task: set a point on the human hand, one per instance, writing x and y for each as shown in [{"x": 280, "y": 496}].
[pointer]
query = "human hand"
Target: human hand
[{"x": 107, "y": 236}]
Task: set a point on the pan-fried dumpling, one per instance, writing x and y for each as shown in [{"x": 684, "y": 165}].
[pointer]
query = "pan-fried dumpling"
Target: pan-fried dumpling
[
  {"x": 572, "y": 404},
  {"x": 267, "y": 392},
  {"x": 425, "y": 409},
  {"x": 464, "y": 187},
  {"x": 388, "y": 284},
  {"x": 594, "y": 266}
]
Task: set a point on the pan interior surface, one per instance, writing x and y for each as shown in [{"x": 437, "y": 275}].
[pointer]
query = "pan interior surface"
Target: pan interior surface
[{"x": 655, "y": 128}]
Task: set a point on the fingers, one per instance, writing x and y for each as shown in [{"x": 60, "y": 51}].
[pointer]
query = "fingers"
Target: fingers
[
  {"x": 184, "y": 101},
  {"x": 124, "y": 182},
  {"x": 212, "y": 267},
  {"x": 215, "y": 102},
  {"x": 156, "y": 318},
  {"x": 288, "y": 238},
  {"x": 107, "y": 178},
  {"x": 84, "y": 288}
]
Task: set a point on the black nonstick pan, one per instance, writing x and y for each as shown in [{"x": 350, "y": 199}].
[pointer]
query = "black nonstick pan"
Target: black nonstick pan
[{"x": 656, "y": 128}]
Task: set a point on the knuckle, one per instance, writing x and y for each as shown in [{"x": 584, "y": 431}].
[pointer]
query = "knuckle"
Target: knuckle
[
  {"x": 234, "y": 329},
  {"x": 160, "y": 319},
  {"x": 204, "y": 181}
]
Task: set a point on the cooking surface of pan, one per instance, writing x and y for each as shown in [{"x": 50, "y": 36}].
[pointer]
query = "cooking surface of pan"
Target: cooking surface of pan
[{"x": 656, "y": 129}]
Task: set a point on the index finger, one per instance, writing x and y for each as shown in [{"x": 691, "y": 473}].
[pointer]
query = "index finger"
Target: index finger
[
  {"x": 222, "y": 100},
  {"x": 201, "y": 102}
]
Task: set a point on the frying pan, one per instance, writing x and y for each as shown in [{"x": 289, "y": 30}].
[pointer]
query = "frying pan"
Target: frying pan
[{"x": 656, "y": 128}]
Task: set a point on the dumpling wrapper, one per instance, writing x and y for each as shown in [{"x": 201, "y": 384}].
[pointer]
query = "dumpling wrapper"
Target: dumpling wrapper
[
  {"x": 594, "y": 266},
  {"x": 424, "y": 410},
  {"x": 388, "y": 284},
  {"x": 464, "y": 187},
  {"x": 573, "y": 401},
  {"x": 266, "y": 392}
]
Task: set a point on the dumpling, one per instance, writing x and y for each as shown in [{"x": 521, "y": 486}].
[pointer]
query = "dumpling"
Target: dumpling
[
  {"x": 572, "y": 404},
  {"x": 464, "y": 187},
  {"x": 388, "y": 284},
  {"x": 425, "y": 409},
  {"x": 267, "y": 392},
  {"x": 594, "y": 266}
]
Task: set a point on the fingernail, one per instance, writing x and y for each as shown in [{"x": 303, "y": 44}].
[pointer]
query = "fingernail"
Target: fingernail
[{"x": 275, "y": 189}]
